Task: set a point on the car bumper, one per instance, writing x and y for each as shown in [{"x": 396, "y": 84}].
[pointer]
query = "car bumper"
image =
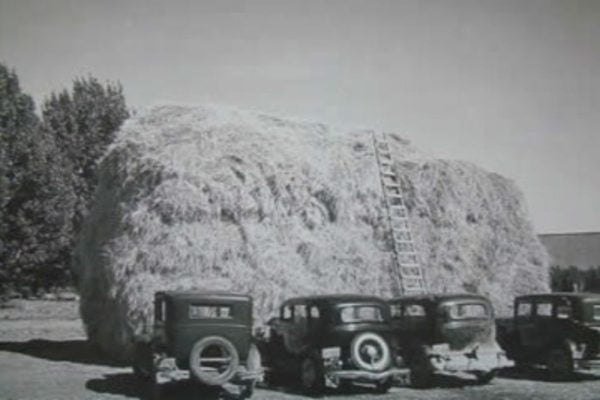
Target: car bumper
[
  {"x": 588, "y": 364},
  {"x": 463, "y": 362},
  {"x": 336, "y": 376},
  {"x": 167, "y": 371}
]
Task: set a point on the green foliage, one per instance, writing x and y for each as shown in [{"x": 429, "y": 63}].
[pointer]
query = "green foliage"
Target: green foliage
[
  {"x": 33, "y": 216},
  {"x": 574, "y": 279},
  {"x": 84, "y": 123},
  {"x": 48, "y": 174}
]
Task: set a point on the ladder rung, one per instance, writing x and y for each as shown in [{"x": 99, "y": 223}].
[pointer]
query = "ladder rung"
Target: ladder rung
[
  {"x": 412, "y": 270},
  {"x": 395, "y": 201},
  {"x": 412, "y": 282},
  {"x": 418, "y": 286},
  {"x": 399, "y": 211},
  {"x": 404, "y": 248},
  {"x": 407, "y": 259},
  {"x": 414, "y": 290},
  {"x": 410, "y": 265},
  {"x": 402, "y": 236},
  {"x": 407, "y": 255},
  {"x": 409, "y": 275},
  {"x": 413, "y": 286}
]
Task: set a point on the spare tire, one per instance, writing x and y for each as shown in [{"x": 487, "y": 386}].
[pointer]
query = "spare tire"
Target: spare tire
[
  {"x": 214, "y": 360},
  {"x": 370, "y": 352}
]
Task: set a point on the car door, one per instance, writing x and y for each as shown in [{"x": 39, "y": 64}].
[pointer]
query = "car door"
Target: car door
[
  {"x": 314, "y": 334},
  {"x": 296, "y": 341},
  {"x": 525, "y": 324},
  {"x": 544, "y": 332}
]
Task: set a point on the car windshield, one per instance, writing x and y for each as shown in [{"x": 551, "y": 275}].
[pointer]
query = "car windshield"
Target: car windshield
[
  {"x": 361, "y": 314},
  {"x": 467, "y": 311}
]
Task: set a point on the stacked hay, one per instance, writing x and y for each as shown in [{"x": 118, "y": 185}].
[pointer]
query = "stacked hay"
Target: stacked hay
[{"x": 215, "y": 198}]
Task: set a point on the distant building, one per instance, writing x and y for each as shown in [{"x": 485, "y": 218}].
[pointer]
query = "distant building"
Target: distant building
[{"x": 581, "y": 250}]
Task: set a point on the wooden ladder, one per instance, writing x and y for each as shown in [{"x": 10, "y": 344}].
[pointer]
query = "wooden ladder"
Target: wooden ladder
[{"x": 410, "y": 274}]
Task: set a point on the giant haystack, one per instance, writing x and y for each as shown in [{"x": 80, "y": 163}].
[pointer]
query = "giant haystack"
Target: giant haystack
[{"x": 224, "y": 199}]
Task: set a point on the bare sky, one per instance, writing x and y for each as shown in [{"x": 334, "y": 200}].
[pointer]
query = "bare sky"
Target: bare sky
[{"x": 512, "y": 85}]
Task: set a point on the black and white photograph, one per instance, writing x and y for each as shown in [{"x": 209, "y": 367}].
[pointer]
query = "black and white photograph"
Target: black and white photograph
[{"x": 299, "y": 199}]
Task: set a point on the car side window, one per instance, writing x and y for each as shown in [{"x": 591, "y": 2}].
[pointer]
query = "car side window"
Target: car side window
[
  {"x": 286, "y": 313},
  {"x": 314, "y": 312},
  {"x": 543, "y": 309},
  {"x": 208, "y": 311},
  {"x": 299, "y": 313},
  {"x": 396, "y": 311},
  {"x": 524, "y": 310}
]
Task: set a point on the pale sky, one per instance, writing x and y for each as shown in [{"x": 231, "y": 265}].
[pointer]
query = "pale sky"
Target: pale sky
[{"x": 511, "y": 85}]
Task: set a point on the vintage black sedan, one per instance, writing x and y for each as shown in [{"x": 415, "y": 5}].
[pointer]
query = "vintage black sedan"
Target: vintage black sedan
[
  {"x": 560, "y": 331},
  {"x": 450, "y": 334},
  {"x": 205, "y": 336},
  {"x": 332, "y": 340}
]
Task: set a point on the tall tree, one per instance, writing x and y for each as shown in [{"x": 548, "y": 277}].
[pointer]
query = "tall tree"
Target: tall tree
[
  {"x": 83, "y": 123},
  {"x": 34, "y": 224}
]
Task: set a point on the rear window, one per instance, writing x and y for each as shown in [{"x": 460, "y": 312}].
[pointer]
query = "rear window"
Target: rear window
[
  {"x": 202, "y": 311},
  {"x": 361, "y": 314},
  {"x": 467, "y": 311},
  {"x": 596, "y": 315}
]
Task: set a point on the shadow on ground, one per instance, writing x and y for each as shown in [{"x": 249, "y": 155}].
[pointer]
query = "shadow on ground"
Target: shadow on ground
[
  {"x": 126, "y": 384},
  {"x": 76, "y": 351},
  {"x": 540, "y": 374}
]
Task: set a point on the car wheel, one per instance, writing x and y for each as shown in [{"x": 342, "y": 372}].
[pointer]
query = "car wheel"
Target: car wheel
[
  {"x": 560, "y": 363},
  {"x": 214, "y": 360},
  {"x": 421, "y": 373},
  {"x": 143, "y": 364},
  {"x": 312, "y": 376},
  {"x": 370, "y": 352},
  {"x": 483, "y": 378},
  {"x": 384, "y": 386},
  {"x": 248, "y": 390}
]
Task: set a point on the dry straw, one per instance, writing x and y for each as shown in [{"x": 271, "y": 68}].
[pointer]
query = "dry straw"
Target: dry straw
[{"x": 216, "y": 198}]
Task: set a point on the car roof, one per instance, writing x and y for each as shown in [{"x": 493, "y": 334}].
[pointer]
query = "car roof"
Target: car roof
[
  {"x": 336, "y": 299},
  {"x": 582, "y": 296},
  {"x": 436, "y": 297},
  {"x": 202, "y": 294}
]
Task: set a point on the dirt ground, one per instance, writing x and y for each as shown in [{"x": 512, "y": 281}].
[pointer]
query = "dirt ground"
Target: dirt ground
[{"x": 44, "y": 355}]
